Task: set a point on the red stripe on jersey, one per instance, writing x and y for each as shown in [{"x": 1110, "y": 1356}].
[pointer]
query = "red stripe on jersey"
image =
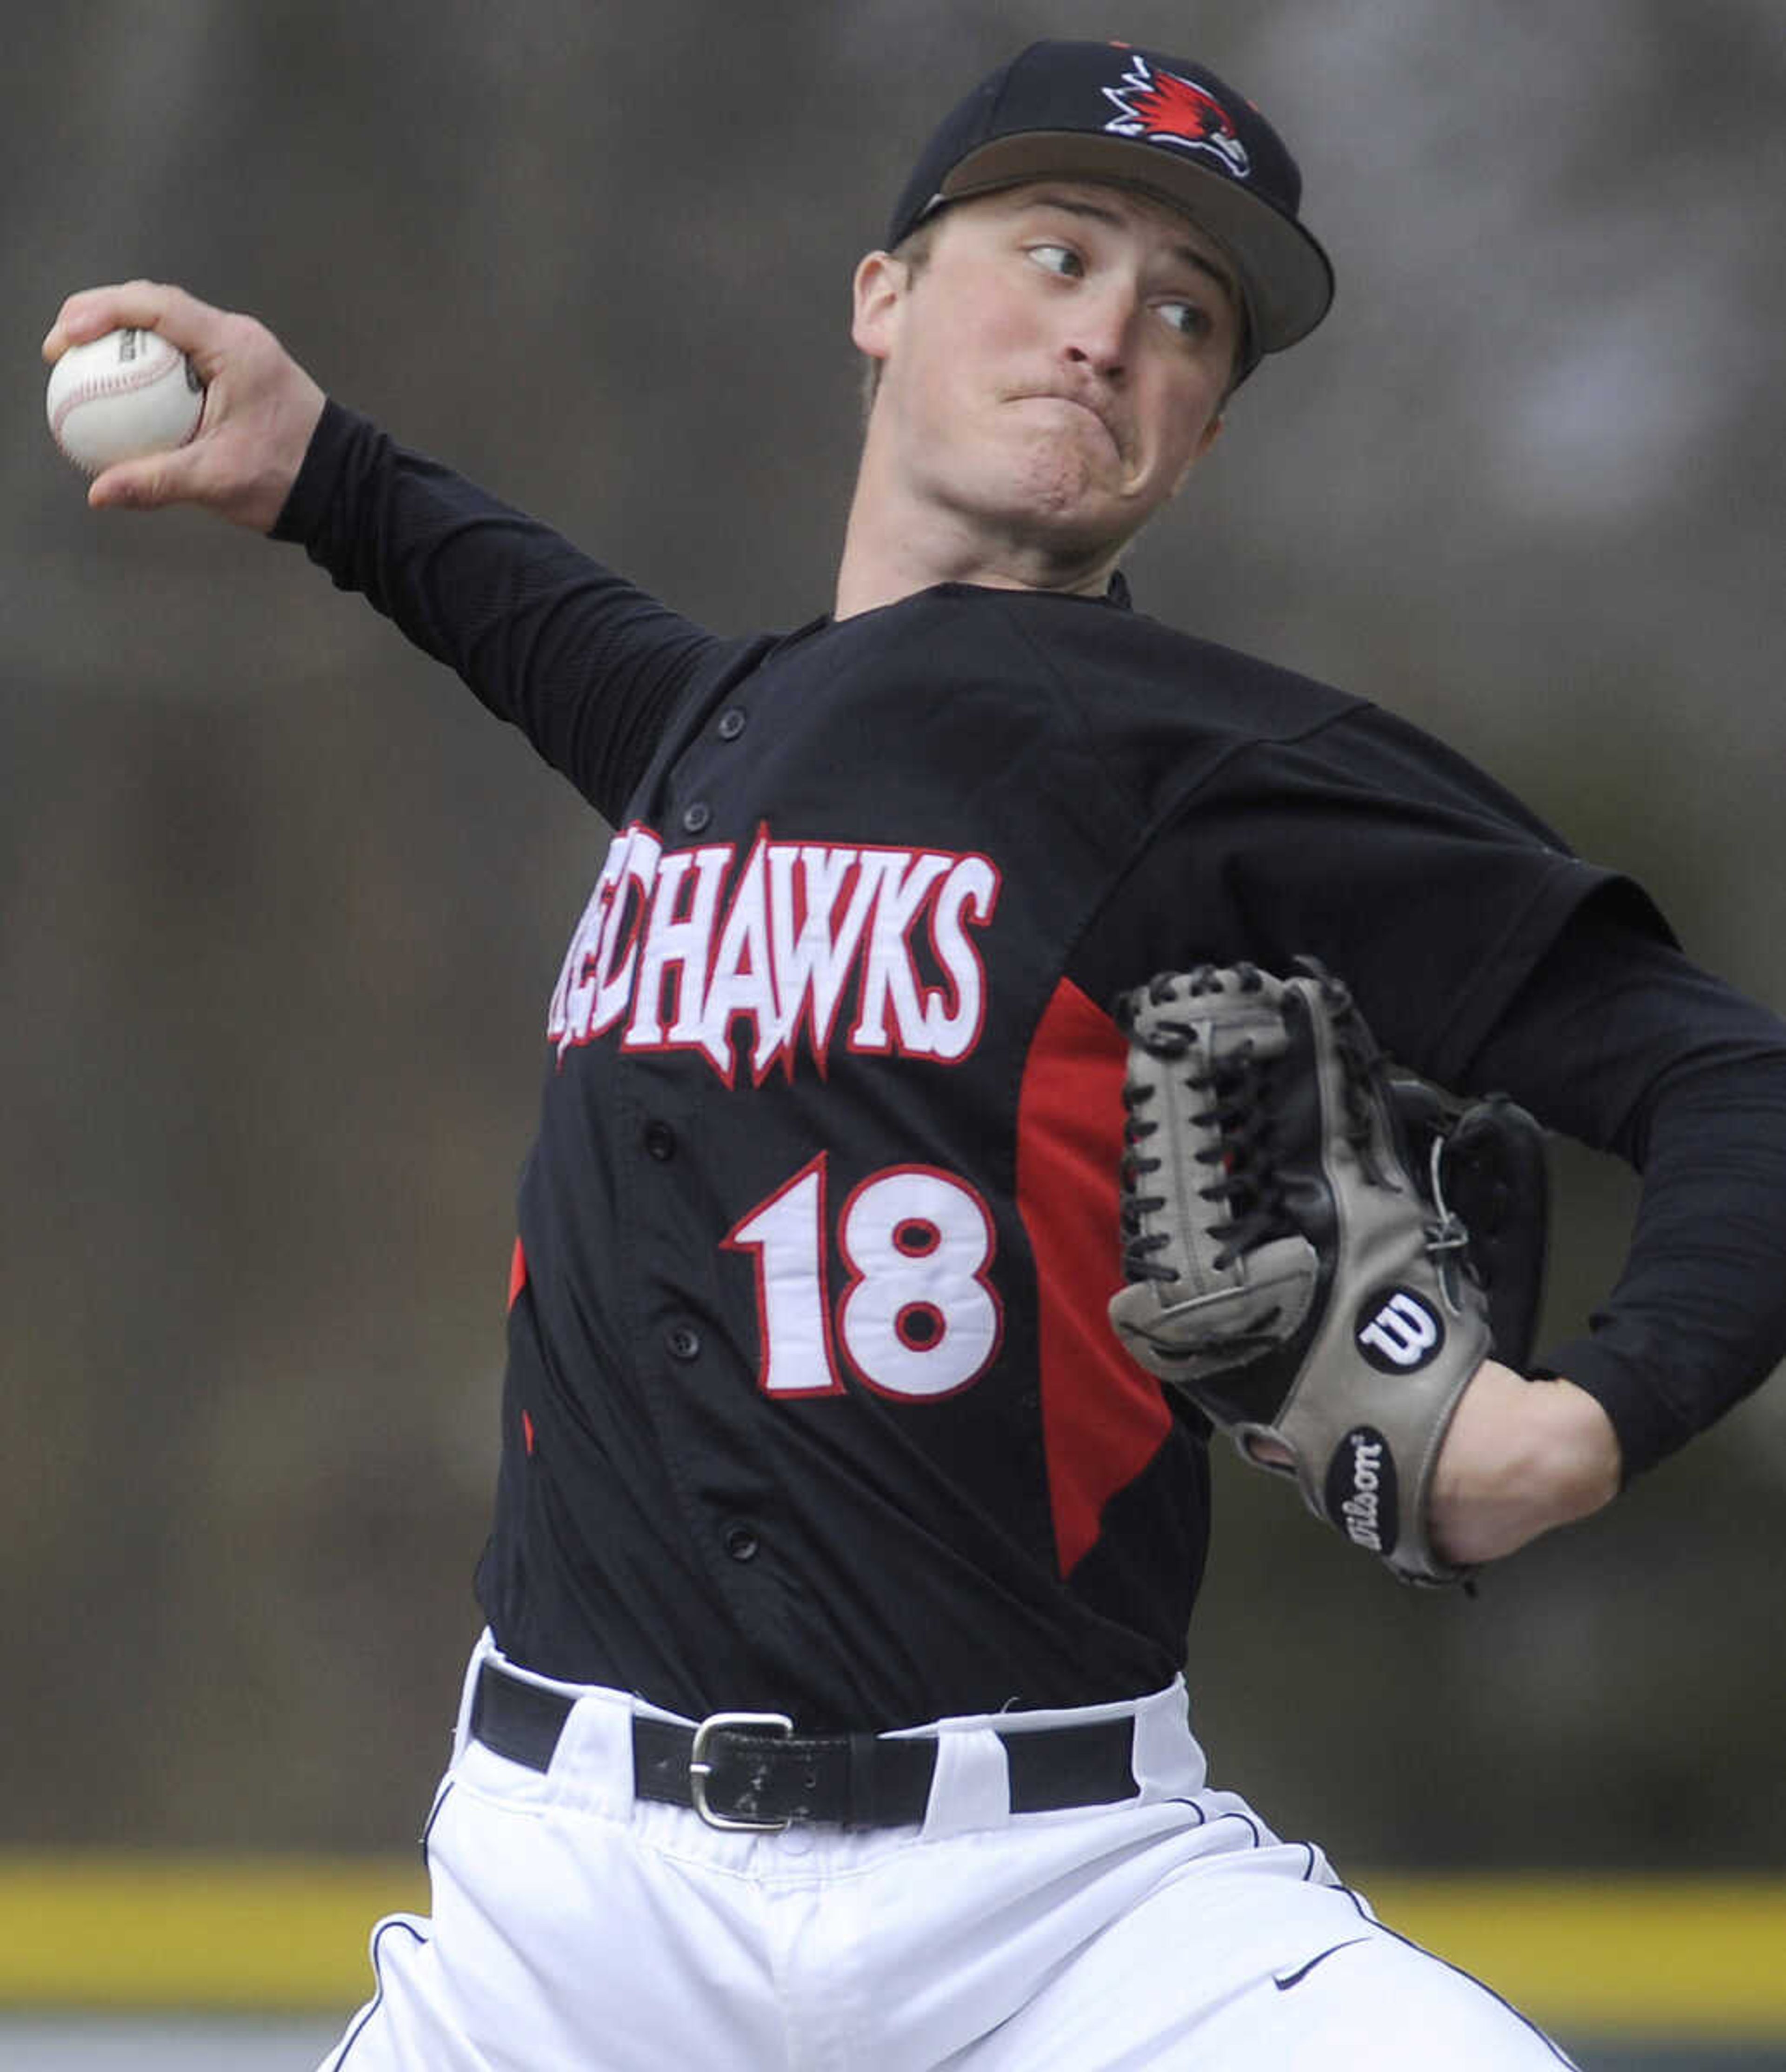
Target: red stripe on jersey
[
  {"x": 517, "y": 1272},
  {"x": 1103, "y": 1417}
]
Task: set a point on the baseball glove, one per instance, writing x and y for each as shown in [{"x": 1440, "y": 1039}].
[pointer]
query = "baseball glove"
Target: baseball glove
[{"x": 1297, "y": 1256}]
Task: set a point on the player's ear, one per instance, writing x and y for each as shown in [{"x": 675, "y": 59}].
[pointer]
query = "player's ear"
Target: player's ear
[{"x": 880, "y": 285}]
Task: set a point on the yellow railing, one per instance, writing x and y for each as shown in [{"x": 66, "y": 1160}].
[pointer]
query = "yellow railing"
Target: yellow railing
[
  {"x": 1704, "y": 1957},
  {"x": 154, "y": 1932},
  {"x": 1700, "y": 1958}
]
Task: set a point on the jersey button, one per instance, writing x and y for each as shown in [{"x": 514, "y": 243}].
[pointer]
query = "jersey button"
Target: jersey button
[
  {"x": 731, "y": 722},
  {"x": 696, "y": 817},
  {"x": 740, "y": 1542},
  {"x": 683, "y": 1341},
  {"x": 660, "y": 1139}
]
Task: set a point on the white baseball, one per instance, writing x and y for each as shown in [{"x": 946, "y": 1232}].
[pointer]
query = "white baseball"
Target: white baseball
[{"x": 127, "y": 393}]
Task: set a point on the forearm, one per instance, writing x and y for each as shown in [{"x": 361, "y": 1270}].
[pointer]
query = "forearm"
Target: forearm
[
  {"x": 1628, "y": 1047},
  {"x": 582, "y": 661},
  {"x": 1698, "y": 1320},
  {"x": 1670, "y": 1069}
]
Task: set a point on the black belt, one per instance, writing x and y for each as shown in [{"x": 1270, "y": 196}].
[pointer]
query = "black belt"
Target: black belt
[{"x": 750, "y": 1770}]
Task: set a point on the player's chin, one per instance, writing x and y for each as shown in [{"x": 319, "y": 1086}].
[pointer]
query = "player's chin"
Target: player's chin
[
  {"x": 1066, "y": 494},
  {"x": 1100, "y": 521}
]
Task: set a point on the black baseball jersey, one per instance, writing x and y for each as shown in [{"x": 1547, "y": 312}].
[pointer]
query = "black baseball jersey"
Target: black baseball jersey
[{"x": 811, "y": 1403}]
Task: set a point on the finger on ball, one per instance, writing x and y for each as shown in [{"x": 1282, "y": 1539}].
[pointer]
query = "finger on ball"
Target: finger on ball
[
  {"x": 84, "y": 317},
  {"x": 90, "y": 313}
]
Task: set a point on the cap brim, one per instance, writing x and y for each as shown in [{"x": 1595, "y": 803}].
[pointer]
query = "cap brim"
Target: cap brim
[{"x": 1285, "y": 275}]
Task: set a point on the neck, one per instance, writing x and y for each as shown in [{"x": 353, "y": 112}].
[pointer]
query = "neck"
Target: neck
[{"x": 895, "y": 545}]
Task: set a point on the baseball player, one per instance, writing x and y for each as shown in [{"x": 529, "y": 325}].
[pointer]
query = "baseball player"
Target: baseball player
[{"x": 831, "y": 1712}]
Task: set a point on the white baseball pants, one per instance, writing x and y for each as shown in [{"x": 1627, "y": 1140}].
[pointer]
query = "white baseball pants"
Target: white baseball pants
[{"x": 577, "y": 1929}]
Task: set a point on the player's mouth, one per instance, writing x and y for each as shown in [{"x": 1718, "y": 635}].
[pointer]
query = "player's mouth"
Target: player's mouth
[{"x": 1111, "y": 430}]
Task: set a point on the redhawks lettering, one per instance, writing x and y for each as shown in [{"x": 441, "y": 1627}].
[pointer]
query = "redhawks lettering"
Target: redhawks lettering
[{"x": 675, "y": 948}]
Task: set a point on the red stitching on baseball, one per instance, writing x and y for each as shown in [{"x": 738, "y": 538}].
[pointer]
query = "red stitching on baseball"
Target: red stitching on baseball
[{"x": 122, "y": 384}]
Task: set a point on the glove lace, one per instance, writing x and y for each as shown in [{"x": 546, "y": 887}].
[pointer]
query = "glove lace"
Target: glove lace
[
  {"x": 1138, "y": 1245},
  {"x": 1363, "y": 1069},
  {"x": 1447, "y": 1240},
  {"x": 1238, "y": 1116}
]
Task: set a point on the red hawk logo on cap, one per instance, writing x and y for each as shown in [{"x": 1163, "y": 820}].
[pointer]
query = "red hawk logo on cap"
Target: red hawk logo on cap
[{"x": 1160, "y": 107}]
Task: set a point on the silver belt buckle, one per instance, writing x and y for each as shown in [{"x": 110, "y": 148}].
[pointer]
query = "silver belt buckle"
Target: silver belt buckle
[{"x": 700, "y": 1769}]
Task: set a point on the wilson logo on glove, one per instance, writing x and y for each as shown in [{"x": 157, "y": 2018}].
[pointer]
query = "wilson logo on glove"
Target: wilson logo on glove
[
  {"x": 1399, "y": 1333},
  {"x": 1361, "y": 1493}
]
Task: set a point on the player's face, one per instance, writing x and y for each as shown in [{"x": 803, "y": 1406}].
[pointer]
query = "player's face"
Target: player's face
[{"x": 1057, "y": 366}]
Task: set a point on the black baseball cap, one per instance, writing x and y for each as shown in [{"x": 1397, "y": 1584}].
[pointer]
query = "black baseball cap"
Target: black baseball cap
[{"x": 1115, "y": 112}]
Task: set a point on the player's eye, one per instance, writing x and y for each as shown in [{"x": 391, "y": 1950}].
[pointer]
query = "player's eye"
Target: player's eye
[
  {"x": 1190, "y": 320},
  {"x": 1060, "y": 259}
]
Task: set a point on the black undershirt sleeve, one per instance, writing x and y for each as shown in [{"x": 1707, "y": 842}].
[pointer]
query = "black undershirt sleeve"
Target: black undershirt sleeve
[
  {"x": 586, "y": 663},
  {"x": 1618, "y": 1040}
]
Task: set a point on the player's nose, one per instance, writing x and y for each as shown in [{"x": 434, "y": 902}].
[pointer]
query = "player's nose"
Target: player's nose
[{"x": 1099, "y": 330}]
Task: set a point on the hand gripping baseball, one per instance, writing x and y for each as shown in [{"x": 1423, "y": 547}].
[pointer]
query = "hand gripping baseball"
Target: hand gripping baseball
[
  {"x": 1286, "y": 1269},
  {"x": 259, "y": 406}
]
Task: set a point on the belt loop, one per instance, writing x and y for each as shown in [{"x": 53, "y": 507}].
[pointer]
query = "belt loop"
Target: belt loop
[
  {"x": 1167, "y": 1758},
  {"x": 972, "y": 1786}
]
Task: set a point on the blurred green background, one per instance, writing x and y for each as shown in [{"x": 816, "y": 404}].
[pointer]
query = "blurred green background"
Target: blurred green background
[{"x": 280, "y": 907}]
